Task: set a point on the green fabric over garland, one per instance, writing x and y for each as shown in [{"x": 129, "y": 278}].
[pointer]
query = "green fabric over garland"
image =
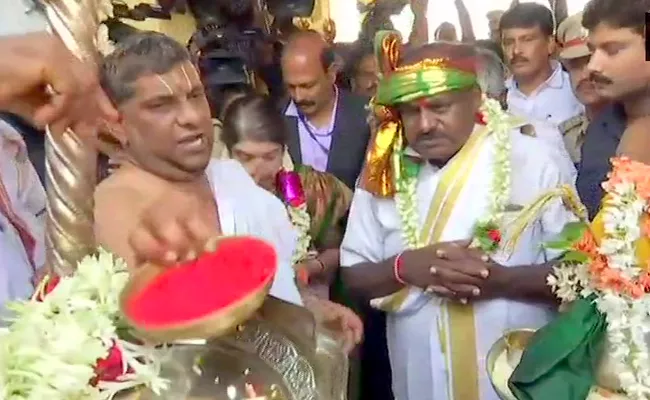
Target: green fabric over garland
[{"x": 562, "y": 359}]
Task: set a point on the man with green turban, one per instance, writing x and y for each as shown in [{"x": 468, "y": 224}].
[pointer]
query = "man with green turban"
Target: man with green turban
[{"x": 447, "y": 223}]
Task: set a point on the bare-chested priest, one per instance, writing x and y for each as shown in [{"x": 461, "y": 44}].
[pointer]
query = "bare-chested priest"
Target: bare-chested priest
[
  {"x": 166, "y": 135},
  {"x": 165, "y": 132}
]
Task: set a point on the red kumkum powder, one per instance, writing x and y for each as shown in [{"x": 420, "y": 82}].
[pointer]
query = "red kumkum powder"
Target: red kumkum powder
[{"x": 195, "y": 289}]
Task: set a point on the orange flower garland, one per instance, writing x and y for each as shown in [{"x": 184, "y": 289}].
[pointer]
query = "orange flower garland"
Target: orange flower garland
[
  {"x": 609, "y": 259},
  {"x": 625, "y": 172}
]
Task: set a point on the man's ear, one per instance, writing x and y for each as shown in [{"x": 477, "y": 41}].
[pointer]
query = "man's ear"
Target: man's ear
[
  {"x": 477, "y": 98},
  {"x": 332, "y": 71},
  {"x": 552, "y": 46},
  {"x": 112, "y": 138}
]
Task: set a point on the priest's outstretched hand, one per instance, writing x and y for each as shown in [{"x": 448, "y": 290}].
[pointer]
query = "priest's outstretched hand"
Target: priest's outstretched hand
[
  {"x": 40, "y": 79},
  {"x": 166, "y": 235}
]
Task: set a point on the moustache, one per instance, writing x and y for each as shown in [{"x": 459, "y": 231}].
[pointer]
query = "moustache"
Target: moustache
[
  {"x": 518, "y": 59},
  {"x": 303, "y": 104},
  {"x": 585, "y": 83},
  {"x": 428, "y": 136},
  {"x": 600, "y": 79}
]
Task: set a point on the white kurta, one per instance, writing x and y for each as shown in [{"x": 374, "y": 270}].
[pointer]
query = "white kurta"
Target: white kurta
[
  {"x": 420, "y": 368},
  {"x": 247, "y": 209},
  {"x": 27, "y": 199}
]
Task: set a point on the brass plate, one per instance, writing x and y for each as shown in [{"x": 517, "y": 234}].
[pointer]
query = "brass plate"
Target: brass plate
[
  {"x": 500, "y": 363},
  {"x": 500, "y": 358}
]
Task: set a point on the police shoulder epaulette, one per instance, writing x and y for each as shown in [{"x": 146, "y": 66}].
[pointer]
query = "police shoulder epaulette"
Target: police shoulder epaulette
[{"x": 571, "y": 123}]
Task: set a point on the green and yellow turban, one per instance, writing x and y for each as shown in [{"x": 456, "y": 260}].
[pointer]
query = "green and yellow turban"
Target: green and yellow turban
[{"x": 439, "y": 69}]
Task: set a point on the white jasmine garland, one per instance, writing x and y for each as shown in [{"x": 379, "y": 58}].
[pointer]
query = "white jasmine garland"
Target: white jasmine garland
[
  {"x": 301, "y": 220},
  {"x": 499, "y": 125},
  {"x": 628, "y": 317},
  {"x": 52, "y": 346}
]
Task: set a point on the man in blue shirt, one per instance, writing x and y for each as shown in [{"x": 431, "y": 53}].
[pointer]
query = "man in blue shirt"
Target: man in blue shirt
[{"x": 621, "y": 75}]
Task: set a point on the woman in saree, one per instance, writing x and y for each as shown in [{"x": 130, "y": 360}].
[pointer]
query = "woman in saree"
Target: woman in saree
[
  {"x": 598, "y": 348},
  {"x": 254, "y": 133}
]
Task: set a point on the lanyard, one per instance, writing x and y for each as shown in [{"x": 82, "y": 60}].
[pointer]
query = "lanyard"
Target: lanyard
[{"x": 314, "y": 136}]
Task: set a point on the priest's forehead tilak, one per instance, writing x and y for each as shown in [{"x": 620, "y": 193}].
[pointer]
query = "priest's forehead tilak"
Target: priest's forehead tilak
[{"x": 179, "y": 79}]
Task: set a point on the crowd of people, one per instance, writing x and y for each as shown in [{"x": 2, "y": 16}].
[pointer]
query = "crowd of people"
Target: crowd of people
[{"x": 404, "y": 193}]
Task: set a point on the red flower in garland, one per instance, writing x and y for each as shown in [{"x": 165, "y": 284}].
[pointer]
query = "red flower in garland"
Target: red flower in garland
[
  {"x": 50, "y": 283},
  {"x": 109, "y": 369},
  {"x": 494, "y": 235},
  {"x": 487, "y": 236},
  {"x": 480, "y": 118}
]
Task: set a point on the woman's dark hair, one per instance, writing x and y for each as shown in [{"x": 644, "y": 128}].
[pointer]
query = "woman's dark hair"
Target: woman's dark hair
[
  {"x": 617, "y": 14},
  {"x": 250, "y": 116},
  {"x": 358, "y": 52},
  {"x": 528, "y": 15}
]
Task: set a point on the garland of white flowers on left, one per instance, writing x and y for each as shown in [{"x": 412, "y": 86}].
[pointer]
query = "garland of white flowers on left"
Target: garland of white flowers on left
[
  {"x": 65, "y": 343},
  {"x": 500, "y": 125}
]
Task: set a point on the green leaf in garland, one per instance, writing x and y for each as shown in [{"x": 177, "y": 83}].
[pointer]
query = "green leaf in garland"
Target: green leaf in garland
[
  {"x": 558, "y": 245},
  {"x": 486, "y": 244},
  {"x": 575, "y": 256},
  {"x": 573, "y": 231},
  {"x": 571, "y": 234}
]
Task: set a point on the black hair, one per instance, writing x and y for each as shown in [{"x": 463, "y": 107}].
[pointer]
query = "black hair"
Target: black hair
[
  {"x": 138, "y": 54},
  {"x": 360, "y": 51},
  {"x": 218, "y": 96},
  {"x": 528, "y": 15},
  {"x": 616, "y": 13},
  {"x": 327, "y": 57},
  {"x": 443, "y": 25},
  {"x": 251, "y": 116}
]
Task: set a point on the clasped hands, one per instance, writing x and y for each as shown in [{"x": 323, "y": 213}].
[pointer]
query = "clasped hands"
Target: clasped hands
[{"x": 453, "y": 270}]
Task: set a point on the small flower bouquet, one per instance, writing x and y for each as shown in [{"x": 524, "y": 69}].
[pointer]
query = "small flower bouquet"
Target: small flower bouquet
[
  {"x": 67, "y": 342},
  {"x": 487, "y": 236}
]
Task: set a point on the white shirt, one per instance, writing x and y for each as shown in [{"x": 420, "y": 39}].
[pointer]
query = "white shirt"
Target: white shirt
[
  {"x": 550, "y": 136},
  {"x": 553, "y": 101},
  {"x": 27, "y": 199},
  {"x": 247, "y": 209},
  {"x": 374, "y": 233}
]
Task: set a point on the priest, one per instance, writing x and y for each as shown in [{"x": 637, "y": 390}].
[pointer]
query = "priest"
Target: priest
[{"x": 448, "y": 221}]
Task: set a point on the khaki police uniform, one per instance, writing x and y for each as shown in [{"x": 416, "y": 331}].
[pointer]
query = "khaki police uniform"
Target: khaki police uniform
[{"x": 572, "y": 37}]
